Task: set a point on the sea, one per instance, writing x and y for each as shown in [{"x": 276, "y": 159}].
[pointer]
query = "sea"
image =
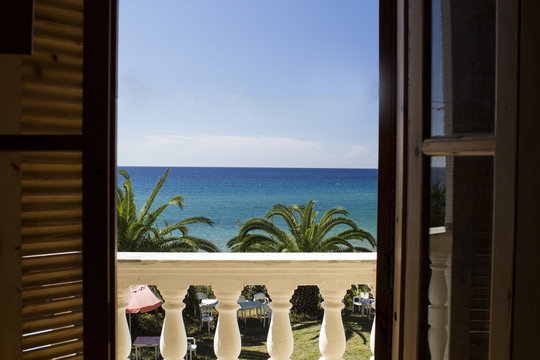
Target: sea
[{"x": 230, "y": 196}]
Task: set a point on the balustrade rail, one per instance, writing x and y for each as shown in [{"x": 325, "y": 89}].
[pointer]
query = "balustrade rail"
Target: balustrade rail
[{"x": 228, "y": 273}]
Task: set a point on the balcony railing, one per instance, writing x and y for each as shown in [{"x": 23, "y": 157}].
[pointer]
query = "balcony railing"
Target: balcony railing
[{"x": 228, "y": 273}]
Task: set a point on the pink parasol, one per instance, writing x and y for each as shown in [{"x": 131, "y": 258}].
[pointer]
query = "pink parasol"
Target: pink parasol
[{"x": 141, "y": 299}]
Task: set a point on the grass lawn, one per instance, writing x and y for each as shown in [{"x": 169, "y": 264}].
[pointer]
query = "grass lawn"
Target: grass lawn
[{"x": 306, "y": 339}]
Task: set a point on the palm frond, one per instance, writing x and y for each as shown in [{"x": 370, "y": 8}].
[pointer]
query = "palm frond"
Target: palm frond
[
  {"x": 150, "y": 199},
  {"x": 152, "y": 217}
]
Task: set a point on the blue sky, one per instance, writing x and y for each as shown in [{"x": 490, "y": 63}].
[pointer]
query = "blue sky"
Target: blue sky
[{"x": 269, "y": 83}]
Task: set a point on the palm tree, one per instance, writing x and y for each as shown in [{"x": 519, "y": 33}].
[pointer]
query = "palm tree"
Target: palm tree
[
  {"x": 141, "y": 233},
  {"x": 303, "y": 234}
]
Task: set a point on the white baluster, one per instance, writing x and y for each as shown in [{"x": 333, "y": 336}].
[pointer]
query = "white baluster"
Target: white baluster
[
  {"x": 373, "y": 288},
  {"x": 372, "y": 339},
  {"x": 280, "y": 341},
  {"x": 173, "y": 342},
  {"x": 123, "y": 337},
  {"x": 332, "y": 337},
  {"x": 437, "y": 311},
  {"x": 227, "y": 341},
  {"x": 448, "y": 277}
]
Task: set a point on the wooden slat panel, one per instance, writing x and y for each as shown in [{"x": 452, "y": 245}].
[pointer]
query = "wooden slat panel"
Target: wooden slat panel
[
  {"x": 52, "y": 292},
  {"x": 58, "y": 14},
  {"x": 52, "y": 277},
  {"x": 51, "y": 92},
  {"x": 34, "y": 217},
  {"x": 58, "y": 30},
  {"x": 52, "y": 76},
  {"x": 51, "y": 246},
  {"x": 51, "y": 171},
  {"x": 42, "y": 233},
  {"x": 52, "y": 337},
  {"x": 47, "y": 59},
  {"x": 75, "y": 5},
  {"x": 52, "y": 307},
  {"x": 51, "y": 103},
  {"x": 35, "y": 125},
  {"x": 54, "y": 351},
  {"x": 50, "y": 262},
  {"x": 58, "y": 46},
  {"x": 50, "y": 186},
  {"x": 51, "y": 322},
  {"x": 54, "y": 157},
  {"x": 35, "y": 202},
  {"x": 53, "y": 109}
]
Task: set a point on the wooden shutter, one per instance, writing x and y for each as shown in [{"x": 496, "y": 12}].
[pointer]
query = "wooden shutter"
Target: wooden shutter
[
  {"x": 52, "y": 268},
  {"x": 51, "y": 185},
  {"x": 52, "y": 78},
  {"x": 57, "y": 151}
]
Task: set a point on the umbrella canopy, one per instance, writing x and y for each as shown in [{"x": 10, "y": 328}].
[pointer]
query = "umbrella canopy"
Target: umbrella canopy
[{"x": 141, "y": 299}]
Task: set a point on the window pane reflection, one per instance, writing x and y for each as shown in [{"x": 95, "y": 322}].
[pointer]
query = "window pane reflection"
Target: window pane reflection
[
  {"x": 461, "y": 211},
  {"x": 462, "y": 66}
]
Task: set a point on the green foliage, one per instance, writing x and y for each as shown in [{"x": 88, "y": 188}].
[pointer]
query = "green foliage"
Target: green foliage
[
  {"x": 250, "y": 290},
  {"x": 438, "y": 204},
  {"x": 303, "y": 233},
  {"x": 140, "y": 232},
  {"x": 147, "y": 324}
]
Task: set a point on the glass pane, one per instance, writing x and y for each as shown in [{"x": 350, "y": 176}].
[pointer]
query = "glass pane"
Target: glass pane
[
  {"x": 461, "y": 216},
  {"x": 462, "y": 66}
]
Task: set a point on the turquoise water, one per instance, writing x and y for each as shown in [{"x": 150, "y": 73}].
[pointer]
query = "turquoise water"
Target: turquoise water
[{"x": 230, "y": 196}]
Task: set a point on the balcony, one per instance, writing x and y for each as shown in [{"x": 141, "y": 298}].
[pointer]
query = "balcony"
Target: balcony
[{"x": 227, "y": 273}]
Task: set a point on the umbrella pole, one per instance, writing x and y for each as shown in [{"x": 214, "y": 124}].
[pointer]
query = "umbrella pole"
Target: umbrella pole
[{"x": 131, "y": 352}]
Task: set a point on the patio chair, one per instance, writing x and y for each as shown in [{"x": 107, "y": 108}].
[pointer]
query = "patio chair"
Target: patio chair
[
  {"x": 200, "y": 296},
  {"x": 206, "y": 317},
  {"x": 241, "y": 311},
  {"x": 357, "y": 301},
  {"x": 191, "y": 347},
  {"x": 260, "y": 296},
  {"x": 266, "y": 311}
]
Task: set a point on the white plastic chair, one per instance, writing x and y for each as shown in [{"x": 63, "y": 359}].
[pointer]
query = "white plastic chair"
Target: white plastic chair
[
  {"x": 357, "y": 301},
  {"x": 260, "y": 296},
  {"x": 241, "y": 311},
  {"x": 266, "y": 313},
  {"x": 200, "y": 296},
  {"x": 191, "y": 347},
  {"x": 263, "y": 299},
  {"x": 206, "y": 317}
]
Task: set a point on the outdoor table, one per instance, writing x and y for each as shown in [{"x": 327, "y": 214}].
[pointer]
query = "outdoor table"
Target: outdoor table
[
  {"x": 248, "y": 305},
  {"x": 146, "y": 341},
  {"x": 244, "y": 305}
]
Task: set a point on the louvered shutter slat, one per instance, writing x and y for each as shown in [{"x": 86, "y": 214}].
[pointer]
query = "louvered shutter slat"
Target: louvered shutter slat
[
  {"x": 52, "y": 337},
  {"x": 52, "y": 292}
]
